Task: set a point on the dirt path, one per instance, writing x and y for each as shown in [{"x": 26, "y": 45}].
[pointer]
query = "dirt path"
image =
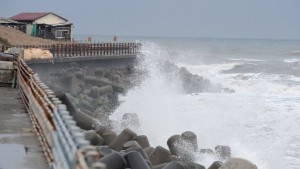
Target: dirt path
[{"x": 16, "y": 37}]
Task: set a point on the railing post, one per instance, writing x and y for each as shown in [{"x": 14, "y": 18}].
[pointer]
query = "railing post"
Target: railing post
[
  {"x": 97, "y": 49},
  {"x": 110, "y": 49}
]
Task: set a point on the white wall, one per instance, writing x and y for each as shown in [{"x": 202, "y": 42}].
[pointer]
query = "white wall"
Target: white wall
[
  {"x": 50, "y": 19},
  {"x": 28, "y": 29}
]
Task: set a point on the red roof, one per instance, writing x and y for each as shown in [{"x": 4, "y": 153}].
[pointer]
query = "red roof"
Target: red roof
[{"x": 25, "y": 16}]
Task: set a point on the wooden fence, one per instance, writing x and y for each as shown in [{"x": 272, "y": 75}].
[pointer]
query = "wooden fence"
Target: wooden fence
[{"x": 85, "y": 49}]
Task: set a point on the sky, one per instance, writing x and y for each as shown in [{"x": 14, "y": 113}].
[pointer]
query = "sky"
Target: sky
[{"x": 263, "y": 19}]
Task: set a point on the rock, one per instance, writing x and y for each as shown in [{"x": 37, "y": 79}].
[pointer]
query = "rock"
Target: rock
[
  {"x": 36, "y": 53},
  {"x": 238, "y": 163}
]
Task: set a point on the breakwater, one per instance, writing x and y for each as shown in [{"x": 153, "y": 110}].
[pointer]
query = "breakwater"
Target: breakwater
[{"x": 125, "y": 150}]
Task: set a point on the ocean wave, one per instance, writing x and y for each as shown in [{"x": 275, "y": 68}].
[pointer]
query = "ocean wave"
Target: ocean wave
[
  {"x": 246, "y": 59},
  {"x": 295, "y": 52},
  {"x": 292, "y": 60},
  {"x": 209, "y": 69}
]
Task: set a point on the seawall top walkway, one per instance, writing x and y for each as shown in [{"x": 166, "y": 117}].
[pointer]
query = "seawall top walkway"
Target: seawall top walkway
[{"x": 19, "y": 145}]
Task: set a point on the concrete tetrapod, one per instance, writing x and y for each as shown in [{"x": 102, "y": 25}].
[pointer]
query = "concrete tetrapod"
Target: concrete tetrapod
[
  {"x": 94, "y": 138},
  {"x": 238, "y": 163},
  {"x": 114, "y": 161},
  {"x": 224, "y": 152},
  {"x": 83, "y": 120},
  {"x": 140, "y": 150},
  {"x": 160, "y": 155},
  {"x": 142, "y": 140},
  {"x": 123, "y": 137},
  {"x": 215, "y": 165},
  {"x": 104, "y": 151},
  {"x": 173, "y": 142},
  {"x": 191, "y": 138},
  {"x": 174, "y": 165},
  {"x": 136, "y": 161},
  {"x": 131, "y": 144},
  {"x": 149, "y": 151}
]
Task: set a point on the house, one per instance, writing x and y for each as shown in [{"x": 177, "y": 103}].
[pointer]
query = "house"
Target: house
[
  {"x": 11, "y": 23},
  {"x": 45, "y": 25}
]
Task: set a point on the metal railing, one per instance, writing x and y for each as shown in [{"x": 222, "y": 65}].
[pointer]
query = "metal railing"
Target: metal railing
[
  {"x": 64, "y": 145},
  {"x": 85, "y": 49}
]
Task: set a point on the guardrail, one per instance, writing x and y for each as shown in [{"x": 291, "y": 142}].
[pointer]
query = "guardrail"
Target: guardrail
[
  {"x": 64, "y": 145},
  {"x": 85, "y": 49}
]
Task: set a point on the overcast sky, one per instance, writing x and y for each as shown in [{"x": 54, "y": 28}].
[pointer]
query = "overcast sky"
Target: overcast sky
[{"x": 279, "y": 19}]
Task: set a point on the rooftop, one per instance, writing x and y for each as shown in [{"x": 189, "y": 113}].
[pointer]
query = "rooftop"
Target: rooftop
[{"x": 27, "y": 16}]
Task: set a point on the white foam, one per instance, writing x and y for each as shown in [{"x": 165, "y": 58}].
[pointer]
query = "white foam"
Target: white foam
[
  {"x": 292, "y": 60},
  {"x": 246, "y": 59}
]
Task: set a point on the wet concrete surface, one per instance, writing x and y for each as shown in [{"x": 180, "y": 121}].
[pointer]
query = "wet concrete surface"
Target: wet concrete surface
[{"x": 19, "y": 145}]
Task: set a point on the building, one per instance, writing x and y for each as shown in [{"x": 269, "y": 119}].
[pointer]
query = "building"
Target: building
[
  {"x": 11, "y": 23},
  {"x": 45, "y": 25}
]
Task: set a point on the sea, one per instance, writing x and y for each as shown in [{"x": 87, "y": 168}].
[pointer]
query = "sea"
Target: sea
[{"x": 260, "y": 121}]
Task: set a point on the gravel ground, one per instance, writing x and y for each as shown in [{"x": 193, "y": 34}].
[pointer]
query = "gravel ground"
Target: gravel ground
[{"x": 16, "y": 37}]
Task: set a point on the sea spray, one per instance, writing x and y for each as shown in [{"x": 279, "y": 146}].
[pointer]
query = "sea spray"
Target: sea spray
[{"x": 259, "y": 121}]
